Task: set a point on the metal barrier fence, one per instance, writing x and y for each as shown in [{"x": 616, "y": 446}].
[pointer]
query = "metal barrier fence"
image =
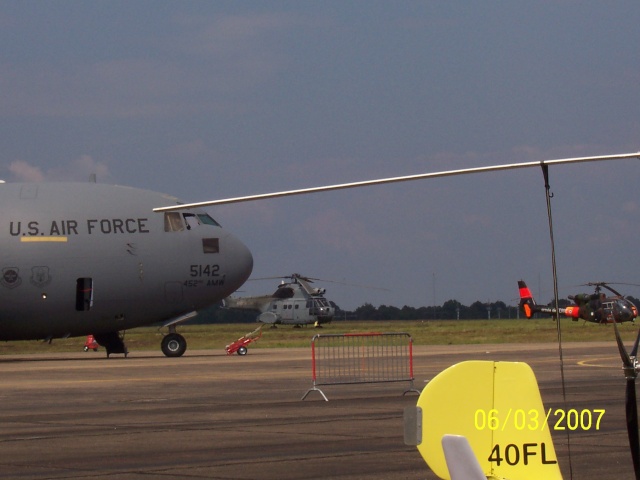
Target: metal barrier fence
[{"x": 361, "y": 358}]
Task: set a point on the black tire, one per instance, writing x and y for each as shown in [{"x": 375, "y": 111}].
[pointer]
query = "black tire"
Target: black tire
[
  {"x": 242, "y": 351},
  {"x": 173, "y": 345}
]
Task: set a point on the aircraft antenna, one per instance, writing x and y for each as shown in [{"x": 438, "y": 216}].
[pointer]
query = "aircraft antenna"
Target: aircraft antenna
[{"x": 549, "y": 196}]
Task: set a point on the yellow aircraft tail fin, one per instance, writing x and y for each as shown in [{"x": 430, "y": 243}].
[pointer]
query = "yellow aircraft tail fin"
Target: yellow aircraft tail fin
[{"x": 497, "y": 407}]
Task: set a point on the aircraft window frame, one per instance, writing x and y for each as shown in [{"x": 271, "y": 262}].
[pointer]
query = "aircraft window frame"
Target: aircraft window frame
[
  {"x": 206, "y": 219},
  {"x": 181, "y": 221},
  {"x": 191, "y": 220},
  {"x": 173, "y": 222},
  {"x": 211, "y": 245},
  {"x": 321, "y": 302}
]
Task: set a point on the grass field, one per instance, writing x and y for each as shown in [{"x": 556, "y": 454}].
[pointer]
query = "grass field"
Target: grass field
[{"x": 427, "y": 332}]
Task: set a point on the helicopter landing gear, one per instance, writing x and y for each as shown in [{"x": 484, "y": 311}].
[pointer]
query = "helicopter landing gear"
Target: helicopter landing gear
[{"x": 173, "y": 345}]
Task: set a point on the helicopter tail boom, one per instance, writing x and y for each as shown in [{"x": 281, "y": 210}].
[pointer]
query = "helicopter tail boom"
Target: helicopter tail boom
[{"x": 529, "y": 306}]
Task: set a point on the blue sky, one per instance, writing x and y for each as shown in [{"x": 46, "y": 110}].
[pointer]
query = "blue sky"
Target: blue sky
[{"x": 206, "y": 100}]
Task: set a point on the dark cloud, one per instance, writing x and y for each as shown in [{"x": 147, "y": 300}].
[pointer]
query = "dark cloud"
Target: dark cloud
[{"x": 208, "y": 100}]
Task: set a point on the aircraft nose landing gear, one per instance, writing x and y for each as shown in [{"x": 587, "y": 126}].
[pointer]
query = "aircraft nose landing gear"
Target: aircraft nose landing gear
[{"x": 173, "y": 345}]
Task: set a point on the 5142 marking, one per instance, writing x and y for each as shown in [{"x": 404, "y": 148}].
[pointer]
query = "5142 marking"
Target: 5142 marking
[{"x": 204, "y": 270}]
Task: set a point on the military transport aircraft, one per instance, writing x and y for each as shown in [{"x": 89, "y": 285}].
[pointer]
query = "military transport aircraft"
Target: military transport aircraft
[{"x": 87, "y": 258}]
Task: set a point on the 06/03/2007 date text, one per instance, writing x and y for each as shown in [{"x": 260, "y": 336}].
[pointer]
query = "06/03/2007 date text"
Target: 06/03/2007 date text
[{"x": 533, "y": 419}]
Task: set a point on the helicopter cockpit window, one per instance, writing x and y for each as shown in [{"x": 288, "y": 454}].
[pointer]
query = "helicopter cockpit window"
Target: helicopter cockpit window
[
  {"x": 173, "y": 222},
  {"x": 321, "y": 302},
  {"x": 623, "y": 311}
]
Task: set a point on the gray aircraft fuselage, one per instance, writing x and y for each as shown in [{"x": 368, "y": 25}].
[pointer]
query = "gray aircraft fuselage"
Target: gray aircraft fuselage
[{"x": 86, "y": 258}]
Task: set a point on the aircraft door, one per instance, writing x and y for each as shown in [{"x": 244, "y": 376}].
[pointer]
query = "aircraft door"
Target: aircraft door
[
  {"x": 287, "y": 311},
  {"x": 292, "y": 310},
  {"x": 299, "y": 310},
  {"x": 84, "y": 294}
]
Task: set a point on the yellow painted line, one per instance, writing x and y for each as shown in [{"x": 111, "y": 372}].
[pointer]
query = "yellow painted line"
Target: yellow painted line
[
  {"x": 43, "y": 239},
  {"x": 589, "y": 362}
]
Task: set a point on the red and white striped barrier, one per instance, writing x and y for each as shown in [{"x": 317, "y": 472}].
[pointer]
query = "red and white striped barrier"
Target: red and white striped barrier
[{"x": 351, "y": 358}]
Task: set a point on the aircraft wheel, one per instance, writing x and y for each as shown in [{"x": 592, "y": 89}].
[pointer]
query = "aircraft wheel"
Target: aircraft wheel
[
  {"x": 173, "y": 345},
  {"x": 86, "y": 349},
  {"x": 242, "y": 351}
]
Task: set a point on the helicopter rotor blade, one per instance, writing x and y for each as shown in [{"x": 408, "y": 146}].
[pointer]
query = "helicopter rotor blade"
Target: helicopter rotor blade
[
  {"x": 607, "y": 285},
  {"x": 313, "y": 279},
  {"x": 634, "y": 350},
  {"x": 370, "y": 287},
  {"x": 406, "y": 178},
  {"x": 631, "y": 405},
  {"x": 279, "y": 277},
  {"x": 626, "y": 359},
  {"x": 604, "y": 285},
  {"x": 631, "y": 411}
]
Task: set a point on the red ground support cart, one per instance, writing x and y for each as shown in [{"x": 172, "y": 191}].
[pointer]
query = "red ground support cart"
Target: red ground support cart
[
  {"x": 240, "y": 345},
  {"x": 90, "y": 344}
]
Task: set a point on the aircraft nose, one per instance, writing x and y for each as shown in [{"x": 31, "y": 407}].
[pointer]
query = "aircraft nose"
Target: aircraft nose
[{"x": 240, "y": 260}]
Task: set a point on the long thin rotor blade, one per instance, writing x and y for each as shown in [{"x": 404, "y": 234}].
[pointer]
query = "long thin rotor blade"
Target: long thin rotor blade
[
  {"x": 381, "y": 181},
  {"x": 631, "y": 410},
  {"x": 631, "y": 406},
  {"x": 626, "y": 360},
  {"x": 634, "y": 350}
]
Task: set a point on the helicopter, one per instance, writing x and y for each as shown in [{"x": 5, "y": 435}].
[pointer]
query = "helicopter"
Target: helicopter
[
  {"x": 295, "y": 302},
  {"x": 592, "y": 307}
]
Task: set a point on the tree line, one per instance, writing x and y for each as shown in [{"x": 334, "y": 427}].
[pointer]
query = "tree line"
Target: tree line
[{"x": 449, "y": 310}]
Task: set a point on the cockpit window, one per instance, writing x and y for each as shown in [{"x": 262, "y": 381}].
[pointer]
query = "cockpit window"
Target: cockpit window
[
  {"x": 178, "y": 221},
  {"x": 191, "y": 220},
  {"x": 321, "y": 302},
  {"x": 207, "y": 220},
  {"x": 173, "y": 222}
]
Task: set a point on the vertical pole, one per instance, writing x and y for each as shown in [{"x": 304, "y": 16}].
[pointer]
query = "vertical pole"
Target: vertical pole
[{"x": 313, "y": 359}]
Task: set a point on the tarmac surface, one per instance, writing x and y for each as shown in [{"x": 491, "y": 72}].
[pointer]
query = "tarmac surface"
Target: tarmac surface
[{"x": 209, "y": 415}]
